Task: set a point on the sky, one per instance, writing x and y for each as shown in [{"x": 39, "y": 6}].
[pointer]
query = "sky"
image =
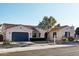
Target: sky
[{"x": 33, "y": 13}]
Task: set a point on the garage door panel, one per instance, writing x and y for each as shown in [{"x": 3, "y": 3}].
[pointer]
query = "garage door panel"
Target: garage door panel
[{"x": 20, "y": 36}]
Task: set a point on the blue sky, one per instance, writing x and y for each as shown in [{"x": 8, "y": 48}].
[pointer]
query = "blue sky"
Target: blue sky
[{"x": 32, "y": 14}]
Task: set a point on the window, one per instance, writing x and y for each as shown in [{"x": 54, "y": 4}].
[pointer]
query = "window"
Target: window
[
  {"x": 39, "y": 34},
  {"x": 67, "y": 34},
  {"x": 33, "y": 34}
]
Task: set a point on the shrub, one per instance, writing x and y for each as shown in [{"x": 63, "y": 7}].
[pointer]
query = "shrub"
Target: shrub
[
  {"x": 37, "y": 39},
  {"x": 6, "y": 42},
  {"x": 70, "y": 39},
  {"x": 64, "y": 40}
]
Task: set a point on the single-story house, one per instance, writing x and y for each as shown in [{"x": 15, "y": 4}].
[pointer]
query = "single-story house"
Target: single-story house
[{"x": 19, "y": 32}]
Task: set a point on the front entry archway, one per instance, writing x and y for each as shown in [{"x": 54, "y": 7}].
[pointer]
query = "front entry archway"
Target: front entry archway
[{"x": 46, "y": 35}]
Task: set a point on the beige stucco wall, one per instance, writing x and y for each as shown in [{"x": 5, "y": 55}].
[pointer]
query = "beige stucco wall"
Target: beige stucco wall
[
  {"x": 61, "y": 33},
  {"x": 68, "y": 29},
  {"x": 51, "y": 35},
  {"x": 17, "y": 29},
  {"x": 42, "y": 32}
]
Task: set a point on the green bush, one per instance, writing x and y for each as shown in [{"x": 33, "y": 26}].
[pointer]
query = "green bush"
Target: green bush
[{"x": 70, "y": 39}]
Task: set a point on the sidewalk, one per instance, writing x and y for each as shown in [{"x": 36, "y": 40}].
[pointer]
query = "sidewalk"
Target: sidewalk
[{"x": 32, "y": 47}]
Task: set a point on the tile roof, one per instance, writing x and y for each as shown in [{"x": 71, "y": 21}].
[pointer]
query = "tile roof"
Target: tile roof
[
  {"x": 63, "y": 26},
  {"x": 58, "y": 28},
  {"x": 7, "y": 26}
]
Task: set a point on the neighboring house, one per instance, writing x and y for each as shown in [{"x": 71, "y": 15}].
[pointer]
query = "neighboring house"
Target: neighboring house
[
  {"x": 18, "y": 32},
  {"x": 62, "y": 31}
]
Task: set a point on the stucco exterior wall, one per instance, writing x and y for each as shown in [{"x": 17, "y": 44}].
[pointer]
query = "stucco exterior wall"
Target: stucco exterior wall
[
  {"x": 61, "y": 33},
  {"x": 51, "y": 35},
  {"x": 67, "y": 29},
  {"x": 42, "y": 32},
  {"x": 17, "y": 29}
]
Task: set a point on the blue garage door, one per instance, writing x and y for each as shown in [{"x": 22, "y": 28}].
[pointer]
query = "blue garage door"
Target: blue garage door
[{"x": 20, "y": 36}]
